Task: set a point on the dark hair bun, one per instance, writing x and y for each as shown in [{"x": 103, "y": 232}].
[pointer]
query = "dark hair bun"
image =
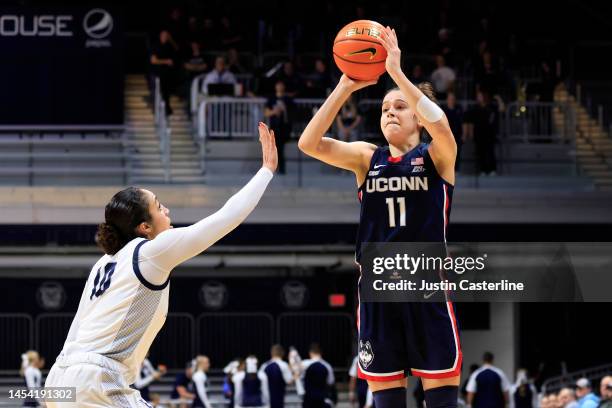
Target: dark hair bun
[
  {"x": 427, "y": 90},
  {"x": 108, "y": 238}
]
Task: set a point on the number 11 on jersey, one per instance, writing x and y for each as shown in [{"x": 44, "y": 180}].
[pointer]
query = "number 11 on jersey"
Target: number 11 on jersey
[{"x": 401, "y": 202}]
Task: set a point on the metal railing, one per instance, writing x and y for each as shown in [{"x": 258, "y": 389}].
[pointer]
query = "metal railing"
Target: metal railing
[
  {"x": 18, "y": 337},
  {"x": 334, "y": 332},
  {"x": 229, "y": 335},
  {"x": 539, "y": 122},
  {"x": 175, "y": 344},
  {"x": 51, "y": 330},
  {"x": 221, "y": 335},
  {"x": 196, "y": 93},
  {"x": 555, "y": 384},
  {"x": 162, "y": 129},
  {"x": 228, "y": 117}
]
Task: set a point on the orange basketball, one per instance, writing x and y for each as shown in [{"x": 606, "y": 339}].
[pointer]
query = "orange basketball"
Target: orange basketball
[{"x": 358, "y": 51}]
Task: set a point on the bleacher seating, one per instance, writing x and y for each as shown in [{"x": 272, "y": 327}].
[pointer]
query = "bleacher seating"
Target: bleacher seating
[{"x": 62, "y": 159}]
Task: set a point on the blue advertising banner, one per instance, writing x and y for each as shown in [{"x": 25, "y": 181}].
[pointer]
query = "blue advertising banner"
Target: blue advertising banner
[{"x": 61, "y": 66}]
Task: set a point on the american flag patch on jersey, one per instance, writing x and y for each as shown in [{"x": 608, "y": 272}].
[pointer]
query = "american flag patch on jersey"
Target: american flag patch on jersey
[{"x": 417, "y": 161}]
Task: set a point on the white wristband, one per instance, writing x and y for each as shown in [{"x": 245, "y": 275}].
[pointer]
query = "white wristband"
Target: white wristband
[{"x": 429, "y": 110}]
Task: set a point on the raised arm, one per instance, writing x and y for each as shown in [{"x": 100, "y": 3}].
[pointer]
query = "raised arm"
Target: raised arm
[
  {"x": 443, "y": 148},
  {"x": 174, "y": 246},
  {"x": 353, "y": 156}
]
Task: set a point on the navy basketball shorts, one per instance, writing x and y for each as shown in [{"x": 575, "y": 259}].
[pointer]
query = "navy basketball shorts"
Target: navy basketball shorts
[{"x": 400, "y": 339}]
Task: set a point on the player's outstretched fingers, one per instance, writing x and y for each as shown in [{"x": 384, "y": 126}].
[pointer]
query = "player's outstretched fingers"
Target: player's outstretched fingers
[
  {"x": 272, "y": 154},
  {"x": 268, "y": 147}
]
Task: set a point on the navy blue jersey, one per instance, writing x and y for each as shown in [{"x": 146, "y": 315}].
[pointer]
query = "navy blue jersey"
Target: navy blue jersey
[
  {"x": 488, "y": 384},
  {"x": 251, "y": 391},
  {"x": 181, "y": 379},
  {"x": 316, "y": 381},
  {"x": 403, "y": 199},
  {"x": 276, "y": 383}
]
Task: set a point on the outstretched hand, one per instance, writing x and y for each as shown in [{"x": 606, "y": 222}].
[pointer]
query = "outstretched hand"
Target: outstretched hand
[
  {"x": 268, "y": 147},
  {"x": 388, "y": 38}
]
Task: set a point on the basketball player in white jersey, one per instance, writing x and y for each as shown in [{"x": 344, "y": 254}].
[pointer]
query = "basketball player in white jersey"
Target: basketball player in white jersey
[{"x": 125, "y": 300}]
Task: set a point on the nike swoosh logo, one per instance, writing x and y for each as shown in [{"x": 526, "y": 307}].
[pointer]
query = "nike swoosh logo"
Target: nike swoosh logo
[
  {"x": 371, "y": 50},
  {"x": 428, "y": 295},
  {"x": 376, "y": 166}
]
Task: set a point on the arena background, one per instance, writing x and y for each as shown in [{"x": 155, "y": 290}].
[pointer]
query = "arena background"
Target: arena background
[{"x": 81, "y": 117}]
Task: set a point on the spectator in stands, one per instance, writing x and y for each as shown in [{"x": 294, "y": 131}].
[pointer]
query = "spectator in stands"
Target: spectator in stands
[
  {"x": 194, "y": 30},
  {"x": 162, "y": 60},
  {"x": 251, "y": 386},
  {"x": 317, "y": 379},
  {"x": 487, "y": 74},
  {"x": 183, "y": 386},
  {"x": 210, "y": 35},
  {"x": 200, "y": 381},
  {"x": 348, "y": 121},
  {"x": 567, "y": 397},
  {"x": 544, "y": 402},
  {"x": 219, "y": 75},
  {"x": 488, "y": 386},
  {"x": 293, "y": 81},
  {"x": 358, "y": 388},
  {"x": 229, "y": 37},
  {"x": 177, "y": 27},
  {"x": 442, "y": 78},
  {"x": 233, "y": 62},
  {"x": 155, "y": 400},
  {"x": 320, "y": 81},
  {"x": 523, "y": 392},
  {"x": 548, "y": 83},
  {"x": 195, "y": 64},
  {"x": 417, "y": 75},
  {"x": 444, "y": 45},
  {"x": 605, "y": 389},
  {"x": 278, "y": 374},
  {"x": 146, "y": 376},
  {"x": 484, "y": 122},
  {"x": 554, "y": 401},
  {"x": 279, "y": 110},
  {"x": 31, "y": 363},
  {"x": 584, "y": 392},
  {"x": 454, "y": 113}
]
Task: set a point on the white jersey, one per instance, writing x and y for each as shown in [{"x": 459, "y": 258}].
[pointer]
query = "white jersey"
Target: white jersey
[
  {"x": 125, "y": 300},
  {"x": 120, "y": 312}
]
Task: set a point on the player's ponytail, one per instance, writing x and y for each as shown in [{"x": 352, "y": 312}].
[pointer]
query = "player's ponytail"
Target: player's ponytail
[{"x": 125, "y": 211}]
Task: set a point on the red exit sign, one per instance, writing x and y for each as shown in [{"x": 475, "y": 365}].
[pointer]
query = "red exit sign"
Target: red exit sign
[{"x": 337, "y": 300}]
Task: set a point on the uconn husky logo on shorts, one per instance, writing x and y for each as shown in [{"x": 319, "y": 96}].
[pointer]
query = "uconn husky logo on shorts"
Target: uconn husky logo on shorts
[{"x": 366, "y": 354}]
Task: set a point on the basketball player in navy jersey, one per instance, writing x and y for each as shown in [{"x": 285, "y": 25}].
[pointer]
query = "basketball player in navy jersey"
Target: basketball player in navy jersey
[
  {"x": 279, "y": 375},
  {"x": 399, "y": 339}
]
